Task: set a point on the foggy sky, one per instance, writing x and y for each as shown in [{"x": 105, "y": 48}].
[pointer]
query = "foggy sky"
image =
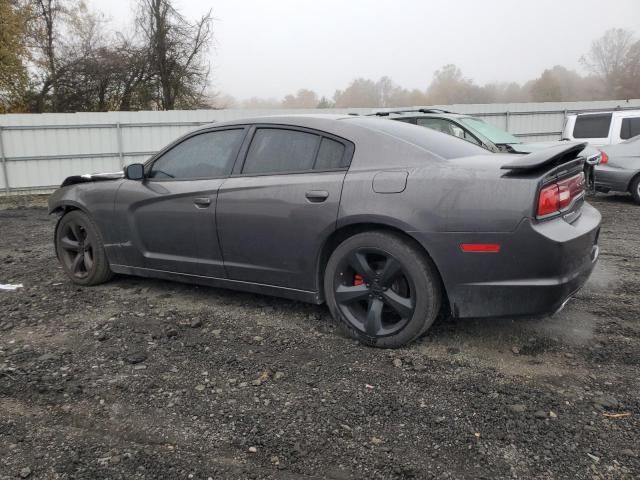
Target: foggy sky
[{"x": 269, "y": 48}]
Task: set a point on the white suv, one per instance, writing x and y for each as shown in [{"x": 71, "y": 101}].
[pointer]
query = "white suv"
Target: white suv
[{"x": 602, "y": 128}]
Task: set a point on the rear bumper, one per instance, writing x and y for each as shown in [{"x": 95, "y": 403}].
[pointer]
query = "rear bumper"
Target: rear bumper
[
  {"x": 539, "y": 267},
  {"x": 529, "y": 297}
]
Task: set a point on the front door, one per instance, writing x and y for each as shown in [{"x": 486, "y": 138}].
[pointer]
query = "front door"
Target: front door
[
  {"x": 168, "y": 219},
  {"x": 274, "y": 215}
]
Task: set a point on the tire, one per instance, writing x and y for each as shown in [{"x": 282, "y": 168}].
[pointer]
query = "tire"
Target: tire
[
  {"x": 80, "y": 249},
  {"x": 634, "y": 189},
  {"x": 383, "y": 288}
]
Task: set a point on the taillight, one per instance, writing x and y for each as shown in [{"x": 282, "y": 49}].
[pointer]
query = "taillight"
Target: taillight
[
  {"x": 604, "y": 158},
  {"x": 558, "y": 196}
]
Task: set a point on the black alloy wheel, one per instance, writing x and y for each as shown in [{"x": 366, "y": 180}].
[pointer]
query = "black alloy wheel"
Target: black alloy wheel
[
  {"x": 373, "y": 293},
  {"x": 383, "y": 287},
  {"x": 76, "y": 249},
  {"x": 80, "y": 249}
]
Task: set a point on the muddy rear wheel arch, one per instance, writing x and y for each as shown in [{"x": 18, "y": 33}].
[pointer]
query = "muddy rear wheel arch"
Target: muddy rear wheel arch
[{"x": 344, "y": 233}]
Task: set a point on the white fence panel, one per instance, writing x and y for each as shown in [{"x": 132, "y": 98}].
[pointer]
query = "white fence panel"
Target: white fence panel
[{"x": 39, "y": 150}]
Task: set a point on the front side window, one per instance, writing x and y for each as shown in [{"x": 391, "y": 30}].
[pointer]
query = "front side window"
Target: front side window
[
  {"x": 207, "y": 155},
  {"x": 276, "y": 150},
  {"x": 630, "y": 128},
  {"x": 592, "y": 126}
]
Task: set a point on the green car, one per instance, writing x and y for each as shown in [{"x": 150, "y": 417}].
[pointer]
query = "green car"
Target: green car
[
  {"x": 485, "y": 135},
  {"x": 474, "y": 130}
]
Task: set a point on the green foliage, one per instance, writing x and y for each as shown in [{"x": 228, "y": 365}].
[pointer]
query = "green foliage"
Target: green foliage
[{"x": 13, "y": 72}]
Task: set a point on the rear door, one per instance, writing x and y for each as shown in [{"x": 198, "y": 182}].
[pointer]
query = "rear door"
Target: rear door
[
  {"x": 168, "y": 219},
  {"x": 276, "y": 210}
]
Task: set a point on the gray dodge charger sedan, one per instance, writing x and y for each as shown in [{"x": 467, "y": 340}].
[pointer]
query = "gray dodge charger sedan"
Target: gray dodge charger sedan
[{"x": 390, "y": 224}]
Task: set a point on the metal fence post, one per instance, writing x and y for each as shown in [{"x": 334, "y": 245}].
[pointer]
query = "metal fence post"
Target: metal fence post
[
  {"x": 120, "y": 150},
  {"x": 507, "y": 114},
  {"x": 4, "y": 164}
]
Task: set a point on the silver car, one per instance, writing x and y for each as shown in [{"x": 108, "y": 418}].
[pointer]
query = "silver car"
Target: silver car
[{"x": 619, "y": 168}]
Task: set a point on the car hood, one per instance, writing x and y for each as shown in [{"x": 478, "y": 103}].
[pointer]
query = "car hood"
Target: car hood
[{"x": 92, "y": 177}]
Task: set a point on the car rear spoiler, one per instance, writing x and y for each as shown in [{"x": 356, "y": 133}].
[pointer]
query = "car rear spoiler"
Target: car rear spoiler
[{"x": 547, "y": 158}]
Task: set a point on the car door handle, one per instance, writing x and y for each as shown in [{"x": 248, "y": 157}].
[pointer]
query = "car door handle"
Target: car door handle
[
  {"x": 317, "y": 196},
  {"x": 202, "y": 202}
]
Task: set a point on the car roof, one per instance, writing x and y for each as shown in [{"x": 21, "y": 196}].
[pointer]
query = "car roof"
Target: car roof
[
  {"x": 361, "y": 128},
  {"x": 301, "y": 119},
  {"x": 627, "y": 112}
]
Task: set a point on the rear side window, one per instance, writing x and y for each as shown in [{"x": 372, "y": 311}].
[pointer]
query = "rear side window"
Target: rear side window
[
  {"x": 274, "y": 150},
  {"x": 206, "y": 155},
  {"x": 330, "y": 156},
  {"x": 592, "y": 126},
  {"x": 630, "y": 128}
]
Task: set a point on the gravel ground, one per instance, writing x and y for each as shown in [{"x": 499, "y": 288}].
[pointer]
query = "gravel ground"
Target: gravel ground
[{"x": 152, "y": 379}]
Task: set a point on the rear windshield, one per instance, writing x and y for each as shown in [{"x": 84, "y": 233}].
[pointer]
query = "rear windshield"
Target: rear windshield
[
  {"x": 592, "y": 126},
  {"x": 441, "y": 144}
]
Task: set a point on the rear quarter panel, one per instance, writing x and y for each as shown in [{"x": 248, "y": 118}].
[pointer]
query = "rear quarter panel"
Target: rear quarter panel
[
  {"x": 440, "y": 195},
  {"x": 444, "y": 203}
]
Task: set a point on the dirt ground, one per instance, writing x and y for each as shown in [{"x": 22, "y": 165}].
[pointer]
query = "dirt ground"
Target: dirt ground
[{"x": 152, "y": 379}]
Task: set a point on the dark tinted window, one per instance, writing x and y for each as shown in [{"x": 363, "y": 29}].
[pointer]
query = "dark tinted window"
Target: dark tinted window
[
  {"x": 206, "y": 155},
  {"x": 330, "y": 155},
  {"x": 273, "y": 150},
  {"x": 630, "y": 128},
  {"x": 592, "y": 126},
  {"x": 445, "y": 146}
]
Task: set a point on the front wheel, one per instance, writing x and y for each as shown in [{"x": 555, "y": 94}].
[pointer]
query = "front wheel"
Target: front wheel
[
  {"x": 383, "y": 288},
  {"x": 80, "y": 249}
]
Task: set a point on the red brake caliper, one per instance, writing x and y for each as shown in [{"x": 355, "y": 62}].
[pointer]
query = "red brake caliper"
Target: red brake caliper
[{"x": 357, "y": 280}]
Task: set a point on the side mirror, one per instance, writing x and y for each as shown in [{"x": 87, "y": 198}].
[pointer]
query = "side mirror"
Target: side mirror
[{"x": 135, "y": 171}]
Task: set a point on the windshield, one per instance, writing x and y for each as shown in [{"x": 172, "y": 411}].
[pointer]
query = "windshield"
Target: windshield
[{"x": 494, "y": 134}]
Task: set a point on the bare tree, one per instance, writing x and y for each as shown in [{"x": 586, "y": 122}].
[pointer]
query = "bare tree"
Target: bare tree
[
  {"x": 361, "y": 92},
  {"x": 302, "y": 99},
  {"x": 43, "y": 39},
  {"x": 607, "y": 56},
  {"x": 630, "y": 81},
  {"x": 325, "y": 103},
  {"x": 177, "y": 50}
]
